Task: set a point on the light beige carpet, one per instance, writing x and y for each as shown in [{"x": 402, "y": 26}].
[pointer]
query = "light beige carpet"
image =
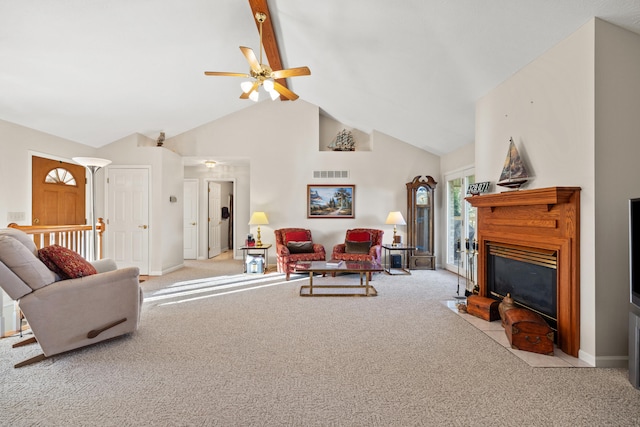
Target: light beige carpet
[{"x": 215, "y": 352}]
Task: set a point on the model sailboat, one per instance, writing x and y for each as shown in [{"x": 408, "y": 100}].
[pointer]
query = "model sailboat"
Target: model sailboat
[
  {"x": 514, "y": 172},
  {"x": 344, "y": 141}
]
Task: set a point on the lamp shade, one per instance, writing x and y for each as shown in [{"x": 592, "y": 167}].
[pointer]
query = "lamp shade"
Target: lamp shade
[
  {"x": 258, "y": 218},
  {"x": 246, "y": 86},
  {"x": 268, "y": 85},
  {"x": 395, "y": 218},
  {"x": 274, "y": 95},
  {"x": 91, "y": 161}
]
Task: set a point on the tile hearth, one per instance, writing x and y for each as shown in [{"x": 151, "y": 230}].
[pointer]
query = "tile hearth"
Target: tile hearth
[{"x": 495, "y": 331}]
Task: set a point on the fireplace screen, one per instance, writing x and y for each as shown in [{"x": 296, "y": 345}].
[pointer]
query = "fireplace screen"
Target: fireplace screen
[{"x": 528, "y": 274}]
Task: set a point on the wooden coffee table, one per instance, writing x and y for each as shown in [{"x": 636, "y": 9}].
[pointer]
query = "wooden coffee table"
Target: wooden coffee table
[{"x": 364, "y": 268}]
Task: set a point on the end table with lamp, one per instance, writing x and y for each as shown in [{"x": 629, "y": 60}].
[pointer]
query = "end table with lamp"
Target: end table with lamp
[{"x": 257, "y": 218}]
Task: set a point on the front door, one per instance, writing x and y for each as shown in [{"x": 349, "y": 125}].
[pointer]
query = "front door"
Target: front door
[
  {"x": 128, "y": 217},
  {"x": 58, "y": 192}
]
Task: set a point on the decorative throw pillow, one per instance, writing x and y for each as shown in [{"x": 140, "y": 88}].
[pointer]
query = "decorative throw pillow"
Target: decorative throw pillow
[
  {"x": 357, "y": 247},
  {"x": 65, "y": 262},
  {"x": 296, "y": 236},
  {"x": 44, "y": 257},
  {"x": 300, "y": 247},
  {"x": 359, "y": 236}
]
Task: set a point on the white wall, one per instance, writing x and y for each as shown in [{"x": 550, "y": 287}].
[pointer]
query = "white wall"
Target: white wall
[
  {"x": 573, "y": 115},
  {"x": 168, "y": 216},
  {"x": 617, "y": 173},
  {"x": 281, "y": 142},
  {"x": 17, "y": 144},
  {"x": 462, "y": 158},
  {"x": 166, "y": 179},
  {"x": 548, "y": 109}
]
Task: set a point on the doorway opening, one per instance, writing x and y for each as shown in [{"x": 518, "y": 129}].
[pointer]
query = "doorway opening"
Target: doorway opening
[{"x": 221, "y": 218}]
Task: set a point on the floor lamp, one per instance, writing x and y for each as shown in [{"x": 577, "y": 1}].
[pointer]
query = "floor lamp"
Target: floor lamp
[{"x": 93, "y": 164}]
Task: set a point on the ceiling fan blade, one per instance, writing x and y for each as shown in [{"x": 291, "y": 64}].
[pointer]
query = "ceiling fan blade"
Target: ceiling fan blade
[
  {"x": 251, "y": 58},
  {"x": 284, "y": 91},
  {"x": 291, "y": 72},
  {"x": 245, "y": 95},
  {"x": 224, "y": 73}
]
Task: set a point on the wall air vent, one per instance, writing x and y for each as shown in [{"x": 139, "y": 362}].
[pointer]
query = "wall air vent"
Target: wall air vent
[{"x": 330, "y": 174}]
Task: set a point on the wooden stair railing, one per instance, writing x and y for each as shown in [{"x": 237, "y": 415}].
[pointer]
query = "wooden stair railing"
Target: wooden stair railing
[{"x": 77, "y": 238}]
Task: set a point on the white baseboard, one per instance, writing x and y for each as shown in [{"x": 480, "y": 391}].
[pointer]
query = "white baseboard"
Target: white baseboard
[
  {"x": 612, "y": 362},
  {"x": 166, "y": 270},
  {"x": 604, "y": 361},
  {"x": 586, "y": 357}
]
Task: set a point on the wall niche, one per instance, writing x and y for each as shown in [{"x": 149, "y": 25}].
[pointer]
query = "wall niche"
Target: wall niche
[{"x": 331, "y": 128}]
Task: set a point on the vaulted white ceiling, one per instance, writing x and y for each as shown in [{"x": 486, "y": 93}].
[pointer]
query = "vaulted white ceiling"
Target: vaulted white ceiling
[{"x": 96, "y": 71}]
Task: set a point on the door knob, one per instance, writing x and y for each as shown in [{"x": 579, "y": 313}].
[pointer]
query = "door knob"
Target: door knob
[
  {"x": 193, "y": 223},
  {"x": 144, "y": 227}
]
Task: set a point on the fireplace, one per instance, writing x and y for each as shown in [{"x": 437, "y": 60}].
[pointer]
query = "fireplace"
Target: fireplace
[
  {"x": 531, "y": 239},
  {"x": 528, "y": 274}
]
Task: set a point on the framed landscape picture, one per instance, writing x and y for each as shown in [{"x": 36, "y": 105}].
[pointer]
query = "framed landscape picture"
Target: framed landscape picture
[{"x": 330, "y": 201}]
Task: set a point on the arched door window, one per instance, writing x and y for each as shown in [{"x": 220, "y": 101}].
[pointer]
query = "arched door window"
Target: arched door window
[{"x": 60, "y": 176}]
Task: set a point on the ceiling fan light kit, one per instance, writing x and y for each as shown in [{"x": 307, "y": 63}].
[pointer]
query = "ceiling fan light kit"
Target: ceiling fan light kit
[
  {"x": 246, "y": 86},
  {"x": 262, "y": 74}
]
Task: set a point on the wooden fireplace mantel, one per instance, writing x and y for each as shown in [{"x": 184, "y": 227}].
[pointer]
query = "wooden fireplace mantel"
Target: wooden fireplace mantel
[
  {"x": 544, "y": 218},
  {"x": 540, "y": 196}
]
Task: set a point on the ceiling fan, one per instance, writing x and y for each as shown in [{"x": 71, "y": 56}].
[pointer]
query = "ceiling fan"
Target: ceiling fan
[{"x": 262, "y": 74}]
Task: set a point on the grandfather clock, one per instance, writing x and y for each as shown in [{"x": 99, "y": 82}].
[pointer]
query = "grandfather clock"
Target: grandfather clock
[{"x": 420, "y": 212}]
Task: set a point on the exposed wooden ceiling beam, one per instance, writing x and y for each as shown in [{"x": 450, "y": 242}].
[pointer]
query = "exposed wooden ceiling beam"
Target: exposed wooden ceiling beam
[{"x": 268, "y": 38}]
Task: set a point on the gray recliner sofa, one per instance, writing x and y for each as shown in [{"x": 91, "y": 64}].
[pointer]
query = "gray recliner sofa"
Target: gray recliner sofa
[{"x": 67, "y": 314}]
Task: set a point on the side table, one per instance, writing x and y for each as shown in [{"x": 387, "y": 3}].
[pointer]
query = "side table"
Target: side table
[
  {"x": 255, "y": 250},
  {"x": 404, "y": 252}
]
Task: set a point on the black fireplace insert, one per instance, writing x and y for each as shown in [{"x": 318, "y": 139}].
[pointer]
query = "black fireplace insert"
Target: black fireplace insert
[{"x": 528, "y": 274}]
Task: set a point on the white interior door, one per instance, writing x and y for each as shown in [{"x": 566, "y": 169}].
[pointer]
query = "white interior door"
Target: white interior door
[
  {"x": 190, "y": 219},
  {"x": 215, "y": 220},
  {"x": 128, "y": 217}
]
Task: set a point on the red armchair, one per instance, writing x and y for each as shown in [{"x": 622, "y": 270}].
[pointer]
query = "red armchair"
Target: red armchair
[
  {"x": 360, "y": 244},
  {"x": 293, "y": 245}
]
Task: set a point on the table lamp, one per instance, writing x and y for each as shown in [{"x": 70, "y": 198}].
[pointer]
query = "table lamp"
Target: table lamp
[
  {"x": 395, "y": 218},
  {"x": 258, "y": 218}
]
